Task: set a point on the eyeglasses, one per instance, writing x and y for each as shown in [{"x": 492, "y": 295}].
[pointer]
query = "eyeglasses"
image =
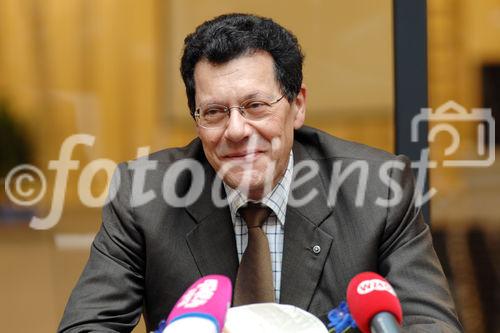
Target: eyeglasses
[{"x": 214, "y": 116}]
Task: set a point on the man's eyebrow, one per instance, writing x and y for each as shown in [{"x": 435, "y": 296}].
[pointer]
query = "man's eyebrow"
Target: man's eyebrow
[
  {"x": 249, "y": 96},
  {"x": 243, "y": 98},
  {"x": 257, "y": 93}
]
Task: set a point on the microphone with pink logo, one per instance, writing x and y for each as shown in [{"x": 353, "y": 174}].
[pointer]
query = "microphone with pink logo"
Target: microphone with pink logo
[
  {"x": 202, "y": 308},
  {"x": 373, "y": 304}
]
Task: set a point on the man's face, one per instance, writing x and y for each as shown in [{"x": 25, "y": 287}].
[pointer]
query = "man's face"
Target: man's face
[{"x": 247, "y": 154}]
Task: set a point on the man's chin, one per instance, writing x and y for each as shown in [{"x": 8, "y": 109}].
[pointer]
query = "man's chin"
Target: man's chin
[{"x": 253, "y": 186}]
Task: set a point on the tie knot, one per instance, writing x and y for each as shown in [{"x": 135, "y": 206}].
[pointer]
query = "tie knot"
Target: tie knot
[{"x": 254, "y": 214}]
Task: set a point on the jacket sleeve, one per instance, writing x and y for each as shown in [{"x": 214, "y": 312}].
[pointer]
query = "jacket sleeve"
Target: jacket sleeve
[
  {"x": 109, "y": 294},
  {"x": 408, "y": 261}
]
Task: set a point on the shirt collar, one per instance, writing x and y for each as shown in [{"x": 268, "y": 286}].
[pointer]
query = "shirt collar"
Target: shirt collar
[{"x": 276, "y": 200}]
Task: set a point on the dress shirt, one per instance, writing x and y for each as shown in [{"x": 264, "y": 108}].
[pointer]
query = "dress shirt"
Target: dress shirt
[{"x": 273, "y": 227}]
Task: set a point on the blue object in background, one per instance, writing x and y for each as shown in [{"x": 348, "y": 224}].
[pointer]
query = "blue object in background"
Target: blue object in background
[
  {"x": 340, "y": 319},
  {"x": 161, "y": 326}
]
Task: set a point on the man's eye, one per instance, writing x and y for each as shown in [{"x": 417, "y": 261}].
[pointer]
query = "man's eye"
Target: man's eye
[
  {"x": 213, "y": 112},
  {"x": 255, "y": 105}
]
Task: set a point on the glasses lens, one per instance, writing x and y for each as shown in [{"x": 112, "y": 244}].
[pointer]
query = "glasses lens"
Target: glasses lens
[
  {"x": 215, "y": 115},
  {"x": 212, "y": 116},
  {"x": 256, "y": 109}
]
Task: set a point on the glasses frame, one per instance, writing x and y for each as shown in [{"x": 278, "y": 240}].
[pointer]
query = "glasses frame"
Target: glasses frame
[{"x": 227, "y": 111}]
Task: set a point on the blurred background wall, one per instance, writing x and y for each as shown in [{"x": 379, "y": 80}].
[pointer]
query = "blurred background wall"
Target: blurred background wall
[
  {"x": 109, "y": 68},
  {"x": 464, "y": 66}
]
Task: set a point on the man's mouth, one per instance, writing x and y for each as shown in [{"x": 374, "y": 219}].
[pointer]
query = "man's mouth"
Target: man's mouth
[{"x": 243, "y": 155}]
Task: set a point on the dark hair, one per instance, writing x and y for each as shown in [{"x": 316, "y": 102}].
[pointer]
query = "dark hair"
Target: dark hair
[{"x": 229, "y": 36}]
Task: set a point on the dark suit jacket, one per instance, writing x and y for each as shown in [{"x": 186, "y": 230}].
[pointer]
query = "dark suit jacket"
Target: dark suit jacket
[{"x": 143, "y": 258}]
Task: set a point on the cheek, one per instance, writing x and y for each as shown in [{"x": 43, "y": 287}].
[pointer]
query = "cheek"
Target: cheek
[
  {"x": 273, "y": 127},
  {"x": 281, "y": 143},
  {"x": 210, "y": 143}
]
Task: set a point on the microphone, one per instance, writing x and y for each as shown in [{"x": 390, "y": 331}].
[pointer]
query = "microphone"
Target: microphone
[
  {"x": 202, "y": 308},
  {"x": 373, "y": 304}
]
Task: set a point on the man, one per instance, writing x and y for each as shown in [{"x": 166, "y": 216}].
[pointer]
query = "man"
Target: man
[{"x": 243, "y": 77}]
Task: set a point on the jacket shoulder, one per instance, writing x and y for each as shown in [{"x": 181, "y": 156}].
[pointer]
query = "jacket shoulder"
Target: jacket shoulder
[
  {"x": 193, "y": 150},
  {"x": 322, "y": 145}
]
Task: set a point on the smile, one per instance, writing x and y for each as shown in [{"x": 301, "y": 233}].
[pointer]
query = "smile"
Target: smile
[{"x": 243, "y": 156}]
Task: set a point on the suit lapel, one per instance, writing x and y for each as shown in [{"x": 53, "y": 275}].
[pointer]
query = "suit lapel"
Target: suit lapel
[
  {"x": 306, "y": 246},
  {"x": 212, "y": 242}
]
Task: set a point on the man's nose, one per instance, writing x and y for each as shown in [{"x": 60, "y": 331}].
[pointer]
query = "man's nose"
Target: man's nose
[{"x": 237, "y": 127}]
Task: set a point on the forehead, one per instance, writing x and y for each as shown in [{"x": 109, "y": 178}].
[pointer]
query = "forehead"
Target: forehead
[{"x": 245, "y": 75}]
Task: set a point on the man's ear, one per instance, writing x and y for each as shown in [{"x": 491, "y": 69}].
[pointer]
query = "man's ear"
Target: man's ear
[{"x": 299, "y": 107}]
